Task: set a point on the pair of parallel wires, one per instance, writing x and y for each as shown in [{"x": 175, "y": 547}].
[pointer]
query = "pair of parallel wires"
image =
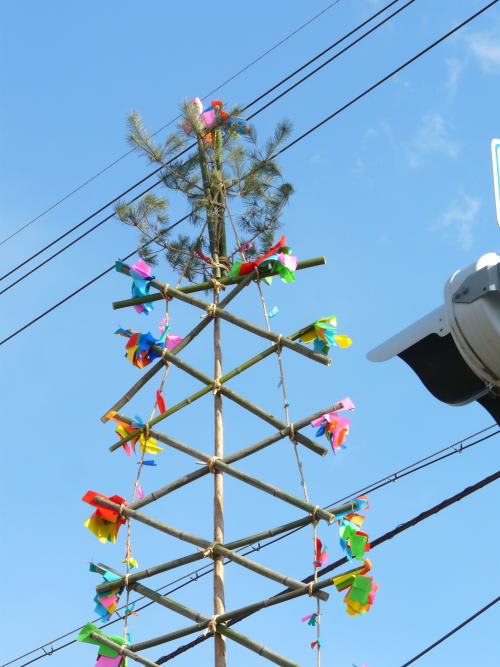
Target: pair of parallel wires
[{"x": 285, "y": 148}]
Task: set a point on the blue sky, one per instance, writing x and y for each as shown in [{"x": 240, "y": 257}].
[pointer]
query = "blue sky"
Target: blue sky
[{"x": 396, "y": 192}]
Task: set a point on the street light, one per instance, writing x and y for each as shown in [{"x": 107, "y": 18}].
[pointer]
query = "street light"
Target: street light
[{"x": 455, "y": 349}]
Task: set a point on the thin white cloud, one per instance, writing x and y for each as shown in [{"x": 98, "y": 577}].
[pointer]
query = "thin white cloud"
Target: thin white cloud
[
  {"x": 455, "y": 67},
  {"x": 485, "y": 46},
  {"x": 459, "y": 219},
  {"x": 432, "y": 137}
]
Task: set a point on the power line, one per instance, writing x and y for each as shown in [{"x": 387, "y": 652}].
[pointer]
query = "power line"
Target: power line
[
  {"x": 158, "y": 169},
  {"x": 295, "y": 141},
  {"x": 452, "y": 632},
  {"x": 81, "y": 288},
  {"x": 163, "y": 127},
  {"x": 68, "y": 245},
  {"x": 391, "y": 74},
  {"x": 195, "y": 574},
  {"x": 342, "y": 561}
]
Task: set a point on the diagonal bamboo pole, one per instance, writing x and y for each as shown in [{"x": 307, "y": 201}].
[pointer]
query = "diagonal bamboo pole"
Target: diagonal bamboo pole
[
  {"x": 315, "y": 510},
  {"x": 237, "y": 637},
  {"x": 240, "y": 400},
  {"x": 221, "y": 466},
  {"x": 211, "y": 548},
  {"x": 151, "y": 372},
  {"x": 236, "y": 456},
  {"x": 215, "y": 311},
  {"x": 201, "y": 287},
  {"x": 202, "y": 624},
  {"x": 123, "y": 650},
  {"x": 251, "y": 407},
  {"x": 202, "y": 392},
  {"x": 339, "y": 511}
]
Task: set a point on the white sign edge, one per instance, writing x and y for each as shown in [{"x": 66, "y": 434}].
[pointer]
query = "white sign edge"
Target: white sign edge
[{"x": 495, "y": 150}]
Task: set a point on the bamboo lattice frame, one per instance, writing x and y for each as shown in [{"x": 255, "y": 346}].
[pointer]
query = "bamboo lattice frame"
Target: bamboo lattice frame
[{"x": 217, "y": 465}]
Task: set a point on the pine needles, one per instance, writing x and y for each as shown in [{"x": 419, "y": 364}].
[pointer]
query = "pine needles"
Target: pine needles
[{"x": 227, "y": 171}]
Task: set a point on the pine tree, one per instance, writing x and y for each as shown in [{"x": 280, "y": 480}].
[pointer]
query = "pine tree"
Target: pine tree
[{"x": 228, "y": 165}]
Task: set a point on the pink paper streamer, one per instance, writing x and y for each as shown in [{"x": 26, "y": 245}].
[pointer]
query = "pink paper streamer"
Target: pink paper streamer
[
  {"x": 172, "y": 341},
  {"x": 142, "y": 268},
  {"x": 347, "y": 404},
  {"x": 290, "y": 261},
  {"x": 306, "y": 618},
  {"x": 108, "y": 601},
  {"x": 105, "y": 661},
  {"x": 139, "y": 492}
]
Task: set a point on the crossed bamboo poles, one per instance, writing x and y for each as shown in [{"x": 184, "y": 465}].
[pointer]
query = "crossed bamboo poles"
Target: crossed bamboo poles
[{"x": 211, "y": 464}]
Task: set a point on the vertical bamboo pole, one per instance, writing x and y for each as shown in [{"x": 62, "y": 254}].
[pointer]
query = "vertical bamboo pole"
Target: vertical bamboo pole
[
  {"x": 219, "y": 602},
  {"x": 218, "y": 582}
]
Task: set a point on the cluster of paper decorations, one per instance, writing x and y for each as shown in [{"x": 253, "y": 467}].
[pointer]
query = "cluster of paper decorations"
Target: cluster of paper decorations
[
  {"x": 361, "y": 590},
  {"x": 353, "y": 541},
  {"x": 146, "y": 443},
  {"x": 106, "y": 656},
  {"x": 277, "y": 260},
  {"x": 107, "y": 602},
  {"x": 215, "y": 116},
  {"x": 334, "y": 426},
  {"x": 140, "y": 272},
  {"x": 323, "y": 334},
  {"x": 104, "y": 522},
  {"x": 141, "y": 350}
]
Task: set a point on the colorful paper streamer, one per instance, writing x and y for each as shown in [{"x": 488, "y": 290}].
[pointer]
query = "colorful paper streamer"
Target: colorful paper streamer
[
  {"x": 277, "y": 259},
  {"x": 323, "y": 334},
  {"x": 361, "y": 590},
  {"x": 140, "y": 350},
  {"x": 140, "y": 272},
  {"x": 106, "y": 651},
  {"x": 353, "y": 541},
  {"x": 320, "y": 553},
  {"x": 107, "y": 602},
  {"x": 215, "y": 115},
  {"x": 334, "y": 426},
  {"x": 104, "y": 523}
]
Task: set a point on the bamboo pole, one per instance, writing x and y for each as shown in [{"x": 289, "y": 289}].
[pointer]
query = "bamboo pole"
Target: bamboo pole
[
  {"x": 243, "y": 402},
  {"x": 221, "y": 466},
  {"x": 215, "y": 311},
  {"x": 315, "y": 510},
  {"x": 340, "y": 510},
  {"x": 237, "y": 637},
  {"x": 290, "y": 582},
  {"x": 201, "y": 287},
  {"x": 236, "y": 456},
  {"x": 255, "y": 606},
  {"x": 151, "y": 372},
  {"x": 123, "y": 650},
  {"x": 219, "y": 604},
  {"x": 153, "y": 523},
  {"x": 202, "y": 392},
  {"x": 284, "y": 597},
  {"x": 218, "y": 551},
  {"x": 236, "y": 398}
]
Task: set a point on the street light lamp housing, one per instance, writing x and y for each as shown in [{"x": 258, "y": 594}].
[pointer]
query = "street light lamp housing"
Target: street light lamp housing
[{"x": 455, "y": 349}]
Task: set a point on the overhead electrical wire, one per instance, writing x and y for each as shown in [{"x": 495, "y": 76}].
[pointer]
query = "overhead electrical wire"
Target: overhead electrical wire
[
  {"x": 163, "y": 127},
  {"x": 457, "y": 447},
  {"x": 188, "y": 148},
  {"x": 289, "y": 145},
  {"x": 452, "y": 632},
  {"x": 389, "y": 535}
]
